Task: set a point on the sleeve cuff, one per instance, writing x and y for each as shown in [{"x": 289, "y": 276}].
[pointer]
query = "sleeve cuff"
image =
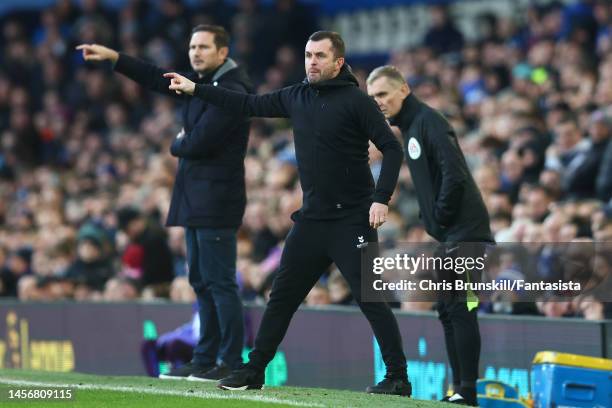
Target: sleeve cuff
[
  {"x": 118, "y": 65},
  {"x": 200, "y": 90},
  {"x": 382, "y": 198}
]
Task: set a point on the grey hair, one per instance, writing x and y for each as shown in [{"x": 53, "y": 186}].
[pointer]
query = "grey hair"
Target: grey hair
[{"x": 388, "y": 71}]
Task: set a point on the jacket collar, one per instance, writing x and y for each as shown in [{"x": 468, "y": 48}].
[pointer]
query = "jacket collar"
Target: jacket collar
[
  {"x": 218, "y": 72},
  {"x": 410, "y": 108},
  {"x": 228, "y": 65},
  {"x": 344, "y": 78}
]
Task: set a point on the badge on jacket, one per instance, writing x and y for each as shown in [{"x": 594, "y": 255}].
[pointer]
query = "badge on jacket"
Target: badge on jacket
[{"x": 414, "y": 149}]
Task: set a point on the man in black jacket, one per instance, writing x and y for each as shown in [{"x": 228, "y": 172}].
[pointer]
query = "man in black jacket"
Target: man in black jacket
[
  {"x": 452, "y": 210},
  {"x": 209, "y": 196},
  {"x": 333, "y": 122}
]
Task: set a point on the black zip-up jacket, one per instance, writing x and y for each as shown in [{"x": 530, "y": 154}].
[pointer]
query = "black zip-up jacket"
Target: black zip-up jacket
[
  {"x": 451, "y": 205},
  {"x": 332, "y": 123},
  {"x": 209, "y": 189}
]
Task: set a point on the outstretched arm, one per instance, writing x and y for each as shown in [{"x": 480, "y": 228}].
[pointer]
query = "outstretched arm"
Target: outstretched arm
[
  {"x": 145, "y": 74},
  {"x": 272, "y": 105},
  {"x": 96, "y": 52}
]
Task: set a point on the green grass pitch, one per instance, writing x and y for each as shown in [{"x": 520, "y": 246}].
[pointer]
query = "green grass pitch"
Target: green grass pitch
[{"x": 121, "y": 391}]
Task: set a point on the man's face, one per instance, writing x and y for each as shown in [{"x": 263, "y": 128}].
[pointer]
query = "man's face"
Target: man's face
[
  {"x": 538, "y": 203},
  {"x": 567, "y": 135},
  {"x": 88, "y": 251},
  {"x": 320, "y": 62},
  {"x": 599, "y": 131},
  {"x": 388, "y": 95},
  {"x": 203, "y": 53}
]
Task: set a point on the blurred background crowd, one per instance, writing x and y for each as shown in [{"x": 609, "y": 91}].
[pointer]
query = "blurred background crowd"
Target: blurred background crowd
[{"x": 86, "y": 175}]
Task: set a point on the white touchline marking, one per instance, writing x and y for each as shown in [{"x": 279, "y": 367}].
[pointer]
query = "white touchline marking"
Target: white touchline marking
[{"x": 199, "y": 394}]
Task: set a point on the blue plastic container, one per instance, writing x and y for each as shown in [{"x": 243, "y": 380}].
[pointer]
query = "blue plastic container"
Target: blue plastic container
[
  {"x": 495, "y": 394},
  {"x": 571, "y": 381}
]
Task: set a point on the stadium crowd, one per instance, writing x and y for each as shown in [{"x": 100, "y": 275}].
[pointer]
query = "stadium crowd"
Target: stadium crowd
[{"x": 86, "y": 176}]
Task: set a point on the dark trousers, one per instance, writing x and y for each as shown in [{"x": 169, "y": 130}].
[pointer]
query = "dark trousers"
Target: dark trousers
[
  {"x": 310, "y": 248},
  {"x": 211, "y": 256},
  {"x": 461, "y": 330}
]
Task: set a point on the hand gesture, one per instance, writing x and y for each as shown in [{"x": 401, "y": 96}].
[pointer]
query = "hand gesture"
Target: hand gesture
[
  {"x": 95, "y": 52},
  {"x": 180, "y": 84}
]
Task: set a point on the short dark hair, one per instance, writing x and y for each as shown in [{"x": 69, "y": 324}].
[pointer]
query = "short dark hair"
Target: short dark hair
[
  {"x": 125, "y": 215},
  {"x": 568, "y": 117},
  {"x": 222, "y": 38},
  {"x": 539, "y": 187},
  {"x": 334, "y": 37}
]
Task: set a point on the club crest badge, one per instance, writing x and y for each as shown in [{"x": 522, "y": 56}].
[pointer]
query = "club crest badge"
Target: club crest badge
[{"x": 414, "y": 149}]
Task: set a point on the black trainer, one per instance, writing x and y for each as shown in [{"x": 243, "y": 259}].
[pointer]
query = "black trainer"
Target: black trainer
[
  {"x": 244, "y": 378},
  {"x": 392, "y": 386},
  {"x": 458, "y": 399},
  {"x": 215, "y": 374},
  {"x": 184, "y": 371}
]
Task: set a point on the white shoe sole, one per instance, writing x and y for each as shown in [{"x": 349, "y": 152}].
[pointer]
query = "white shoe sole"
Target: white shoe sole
[
  {"x": 170, "y": 377},
  {"x": 194, "y": 378},
  {"x": 243, "y": 388}
]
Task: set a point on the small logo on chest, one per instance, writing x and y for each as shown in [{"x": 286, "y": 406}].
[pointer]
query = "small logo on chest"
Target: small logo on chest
[{"x": 414, "y": 149}]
